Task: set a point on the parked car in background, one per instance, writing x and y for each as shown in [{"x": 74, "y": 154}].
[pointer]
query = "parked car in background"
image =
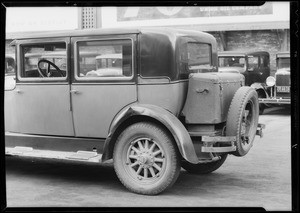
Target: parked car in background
[
  {"x": 278, "y": 87},
  {"x": 9, "y": 71},
  {"x": 254, "y": 65},
  {"x": 163, "y": 107},
  {"x": 107, "y": 65},
  {"x": 9, "y": 64}
]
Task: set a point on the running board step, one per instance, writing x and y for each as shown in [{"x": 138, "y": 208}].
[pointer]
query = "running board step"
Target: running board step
[{"x": 74, "y": 156}]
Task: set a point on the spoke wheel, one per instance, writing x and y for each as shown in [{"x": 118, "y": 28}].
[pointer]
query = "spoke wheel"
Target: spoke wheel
[{"x": 145, "y": 159}]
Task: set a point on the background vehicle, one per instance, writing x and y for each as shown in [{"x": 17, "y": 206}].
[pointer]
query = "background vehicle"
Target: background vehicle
[
  {"x": 166, "y": 108},
  {"x": 278, "y": 87},
  {"x": 254, "y": 65},
  {"x": 9, "y": 64},
  {"x": 107, "y": 65}
]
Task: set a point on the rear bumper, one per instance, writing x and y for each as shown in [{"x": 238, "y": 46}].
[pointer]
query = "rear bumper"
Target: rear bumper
[
  {"x": 275, "y": 100},
  {"x": 227, "y": 141}
]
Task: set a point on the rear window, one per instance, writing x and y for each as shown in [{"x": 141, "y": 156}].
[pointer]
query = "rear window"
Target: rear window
[{"x": 195, "y": 57}]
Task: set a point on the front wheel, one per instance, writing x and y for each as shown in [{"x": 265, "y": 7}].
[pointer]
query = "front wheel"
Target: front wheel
[
  {"x": 203, "y": 168},
  {"x": 242, "y": 119},
  {"x": 145, "y": 159}
]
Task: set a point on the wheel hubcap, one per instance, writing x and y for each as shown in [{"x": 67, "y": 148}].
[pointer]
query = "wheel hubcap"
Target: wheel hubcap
[{"x": 145, "y": 159}]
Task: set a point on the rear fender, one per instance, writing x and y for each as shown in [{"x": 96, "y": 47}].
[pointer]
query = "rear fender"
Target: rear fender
[{"x": 167, "y": 119}]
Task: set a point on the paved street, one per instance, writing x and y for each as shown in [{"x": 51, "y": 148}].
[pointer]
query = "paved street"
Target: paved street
[{"x": 260, "y": 179}]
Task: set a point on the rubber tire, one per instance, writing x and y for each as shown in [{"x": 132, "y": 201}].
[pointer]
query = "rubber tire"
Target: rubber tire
[
  {"x": 241, "y": 98},
  {"x": 203, "y": 168},
  {"x": 161, "y": 137}
]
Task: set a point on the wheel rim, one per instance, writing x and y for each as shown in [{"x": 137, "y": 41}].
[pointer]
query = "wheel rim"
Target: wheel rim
[
  {"x": 247, "y": 125},
  {"x": 145, "y": 160}
]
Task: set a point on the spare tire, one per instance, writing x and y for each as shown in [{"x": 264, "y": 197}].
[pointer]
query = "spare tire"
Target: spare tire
[{"x": 242, "y": 119}]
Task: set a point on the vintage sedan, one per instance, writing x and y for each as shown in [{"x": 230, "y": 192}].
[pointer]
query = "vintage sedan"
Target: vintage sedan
[
  {"x": 166, "y": 107},
  {"x": 278, "y": 87},
  {"x": 254, "y": 65}
]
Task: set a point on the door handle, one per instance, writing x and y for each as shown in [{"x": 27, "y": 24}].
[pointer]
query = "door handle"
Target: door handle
[
  {"x": 74, "y": 91},
  {"x": 18, "y": 91}
]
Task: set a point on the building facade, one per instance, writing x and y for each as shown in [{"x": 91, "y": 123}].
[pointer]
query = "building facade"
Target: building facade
[{"x": 240, "y": 28}]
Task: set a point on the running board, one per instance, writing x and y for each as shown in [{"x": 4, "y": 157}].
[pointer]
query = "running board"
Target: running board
[{"x": 85, "y": 156}]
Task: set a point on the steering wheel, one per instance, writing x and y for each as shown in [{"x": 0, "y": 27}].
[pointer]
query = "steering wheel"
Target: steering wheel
[{"x": 48, "y": 70}]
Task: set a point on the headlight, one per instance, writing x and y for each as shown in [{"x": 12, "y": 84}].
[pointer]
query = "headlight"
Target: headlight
[{"x": 270, "y": 81}]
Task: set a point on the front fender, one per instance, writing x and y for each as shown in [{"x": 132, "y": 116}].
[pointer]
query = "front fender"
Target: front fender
[
  {"x": 257, "y": 86},
  {"x": 170, "y": 121},
  {"x": 260, "y": 87}
]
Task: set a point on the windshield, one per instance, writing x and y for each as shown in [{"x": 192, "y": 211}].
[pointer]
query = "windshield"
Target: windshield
[
  {"x": 283, "y": 63},
  {"x": 231, "y": 61}
]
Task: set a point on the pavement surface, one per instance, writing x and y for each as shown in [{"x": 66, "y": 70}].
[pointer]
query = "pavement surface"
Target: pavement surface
[{"x": 262, "y": 178}]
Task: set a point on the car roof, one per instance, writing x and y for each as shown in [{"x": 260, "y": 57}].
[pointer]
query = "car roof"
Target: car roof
[
  {"x": 242, "y": 53},
  {"x": 103, "y": 32}
]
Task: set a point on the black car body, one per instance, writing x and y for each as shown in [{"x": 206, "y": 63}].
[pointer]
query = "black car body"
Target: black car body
[
  {"x": 278, "y": 87},
  {"x": 254, "y": 65}
]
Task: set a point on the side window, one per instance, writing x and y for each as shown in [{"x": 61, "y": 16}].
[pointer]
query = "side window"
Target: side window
[
  {"x": 104, "y": 59},
  {"x": 44, "y": 60},
  {"x": 9, "y": 65},
  {"x": 252, "y": 62},
  {"x": 264, "y": 61}
]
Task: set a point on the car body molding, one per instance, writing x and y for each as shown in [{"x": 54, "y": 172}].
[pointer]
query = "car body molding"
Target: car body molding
[{"x": 170, "y": 121}]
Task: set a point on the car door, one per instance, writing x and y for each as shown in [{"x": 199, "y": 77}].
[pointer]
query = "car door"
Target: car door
[
  {"x": 264, "y": 68},
  {"x": 251, "y": 74},
  {"x": 43, "y": 102},
  {"x": 103, "y": 83}
]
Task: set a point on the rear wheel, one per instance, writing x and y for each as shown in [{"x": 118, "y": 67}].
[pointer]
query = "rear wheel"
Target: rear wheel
[
  {"x": 203, "y": 168},
  {"x": 242, "y": 119},
  {"x": 145, "y": 159}
]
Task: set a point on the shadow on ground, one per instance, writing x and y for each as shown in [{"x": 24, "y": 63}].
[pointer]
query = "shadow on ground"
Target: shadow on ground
[{"x": 278, "y": 111}]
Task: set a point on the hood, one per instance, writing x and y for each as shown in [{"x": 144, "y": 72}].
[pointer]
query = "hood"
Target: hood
[
  {"x": 283, "y": 71},
  {"x": 232, "y": 69}
]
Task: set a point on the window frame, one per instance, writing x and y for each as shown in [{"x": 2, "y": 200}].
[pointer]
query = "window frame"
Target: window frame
[
  {"x": 102, "y": 79},
  {"x": 20, "y": 60}
]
